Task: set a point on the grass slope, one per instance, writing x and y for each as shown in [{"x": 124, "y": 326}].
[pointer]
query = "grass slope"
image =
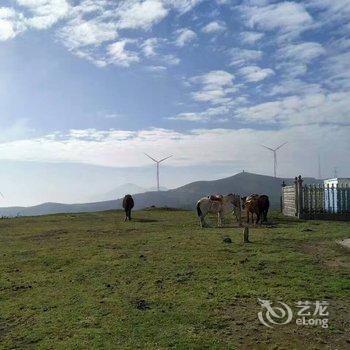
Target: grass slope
[{"x": 83, "y": 281}]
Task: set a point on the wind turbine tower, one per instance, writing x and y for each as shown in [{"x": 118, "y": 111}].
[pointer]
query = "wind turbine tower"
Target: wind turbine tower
[
  {"x": 274, "y": 150},
  {"x": 157, "y": 164},
  {"x": 335, "y": 172},
  {"x": 319, "y": 167}
]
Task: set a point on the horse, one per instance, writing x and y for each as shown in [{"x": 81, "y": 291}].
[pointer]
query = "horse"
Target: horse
[
  {"x": 256, "y": 204},
  {"x": 219, "y": 205},
  {"x": 128, "y": 204},
  {"x": 250, "y": 204},
  {"x": 264, "y": 205}
]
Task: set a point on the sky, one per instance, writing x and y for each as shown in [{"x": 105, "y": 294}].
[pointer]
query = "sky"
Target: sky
[{"x": 88, "y": 86}]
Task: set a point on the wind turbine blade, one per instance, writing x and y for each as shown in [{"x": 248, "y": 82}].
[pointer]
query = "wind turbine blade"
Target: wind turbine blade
[
  {"x": 151, "y": 157},
  {"x": 162, "y": 160},
  {"x": 281, "y": 146},
  {"x": 268, "y": 148}
]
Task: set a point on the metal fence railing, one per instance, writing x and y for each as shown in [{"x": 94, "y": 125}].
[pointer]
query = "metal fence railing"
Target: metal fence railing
[{"x": 316, "y": 201}]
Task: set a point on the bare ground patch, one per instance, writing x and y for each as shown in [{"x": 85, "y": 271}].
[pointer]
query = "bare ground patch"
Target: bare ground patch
[{"x": 239, "y": 323}]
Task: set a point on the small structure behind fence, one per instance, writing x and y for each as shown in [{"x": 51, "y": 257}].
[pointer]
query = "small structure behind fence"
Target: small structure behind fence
[{"x": 330, "y": 201}]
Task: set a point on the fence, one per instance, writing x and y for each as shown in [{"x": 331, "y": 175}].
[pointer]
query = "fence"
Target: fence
[{"x": 316, "y": 201}]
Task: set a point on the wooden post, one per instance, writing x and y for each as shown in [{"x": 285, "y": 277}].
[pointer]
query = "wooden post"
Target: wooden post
[
  {"x": 296, "y": 196},
  {"x": 300, "y": 195},
  {"x": 282, "y": 196},
  {"x": 246, "y": 235}
]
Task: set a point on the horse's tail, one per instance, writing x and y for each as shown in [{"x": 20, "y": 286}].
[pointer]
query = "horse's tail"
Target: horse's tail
[{"x": 198, "y": 207}]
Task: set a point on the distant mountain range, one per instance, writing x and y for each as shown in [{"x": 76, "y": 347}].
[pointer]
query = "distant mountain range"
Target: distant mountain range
[
  {"x": 121, "y": 190},
  {"x": 182, "y": 197}
]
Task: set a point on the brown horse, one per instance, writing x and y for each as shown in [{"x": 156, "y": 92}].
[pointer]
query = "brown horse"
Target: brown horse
[
  {"x": 264, "y": 205},
  {"x": 258, "y": 205},
  {"x": 250, "y": 204},
  {"x": 128, "y": 204}
]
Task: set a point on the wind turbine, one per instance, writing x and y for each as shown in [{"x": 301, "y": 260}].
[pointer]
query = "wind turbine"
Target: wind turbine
[
  {"x": 319, "y": 167},
  {"x": 157, "y": 162},
  {"x": 274, "y": 150}
]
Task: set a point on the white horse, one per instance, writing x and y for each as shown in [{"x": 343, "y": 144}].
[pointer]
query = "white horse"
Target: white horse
[{"x": 219, "y": 205}]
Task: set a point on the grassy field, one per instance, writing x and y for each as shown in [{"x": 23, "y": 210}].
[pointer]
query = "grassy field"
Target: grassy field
[{"x": 91, "y": 281}]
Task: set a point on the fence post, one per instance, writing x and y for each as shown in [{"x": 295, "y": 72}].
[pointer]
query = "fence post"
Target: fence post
[
  {"x": 282, "y": 196},
  {"x": 300, "y": 195},
  {"x": 296, "y": 196},
  {"x": 333, "y": 199}
]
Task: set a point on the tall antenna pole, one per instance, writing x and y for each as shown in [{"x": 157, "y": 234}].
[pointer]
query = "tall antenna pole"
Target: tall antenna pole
[
  {"x": 335, "y": 172},
  {"x": 274, "y": 150}
]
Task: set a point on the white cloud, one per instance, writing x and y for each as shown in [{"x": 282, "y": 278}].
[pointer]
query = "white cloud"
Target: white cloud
[
  {"x": 255, "y": 73},
  {"x": 214, "y": 27},
  {"x": 302, "y": 52},
  {"x": 219, "y": 112},
  {"x": 290, "y": 18},
  {"x": 182, "y": 6},
  {"x": 213, "y": 79},
  {"x": 156, "y": 69},
  {"x": 216, "y": 86},
  {"x": 190, "y": 117},
  {"x": 333, "y": 11},
  {"x": 140, "y": 14},
  {"x": 169, "y": 60},
  {"x": 217, "y": 89},
  {"x": 242, "y": 56},
  {"x": 294, "y": 86},
  {"x": 251, "y": 37},
  {"x": 45, "y": 13},
  {"x": 97, "y": 22},
  {"x": 185, "y": 36},
  {"x": 149, "y": 45},
  {"x": 338, "y": 68},
  {"x": 79, "y": 33},
  {"x": 11, "y": 23},
  {"x": 123, "y": 148},
  {"x": 120, "y": 56},
  {"x": 331, "y": 108}
]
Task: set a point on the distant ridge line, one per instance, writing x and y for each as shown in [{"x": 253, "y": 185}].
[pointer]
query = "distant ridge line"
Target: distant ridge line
[{"x": 185, "y": 196}]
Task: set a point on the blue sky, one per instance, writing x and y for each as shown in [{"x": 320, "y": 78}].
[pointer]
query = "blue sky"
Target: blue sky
[{"x": 87, "y": 86}]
